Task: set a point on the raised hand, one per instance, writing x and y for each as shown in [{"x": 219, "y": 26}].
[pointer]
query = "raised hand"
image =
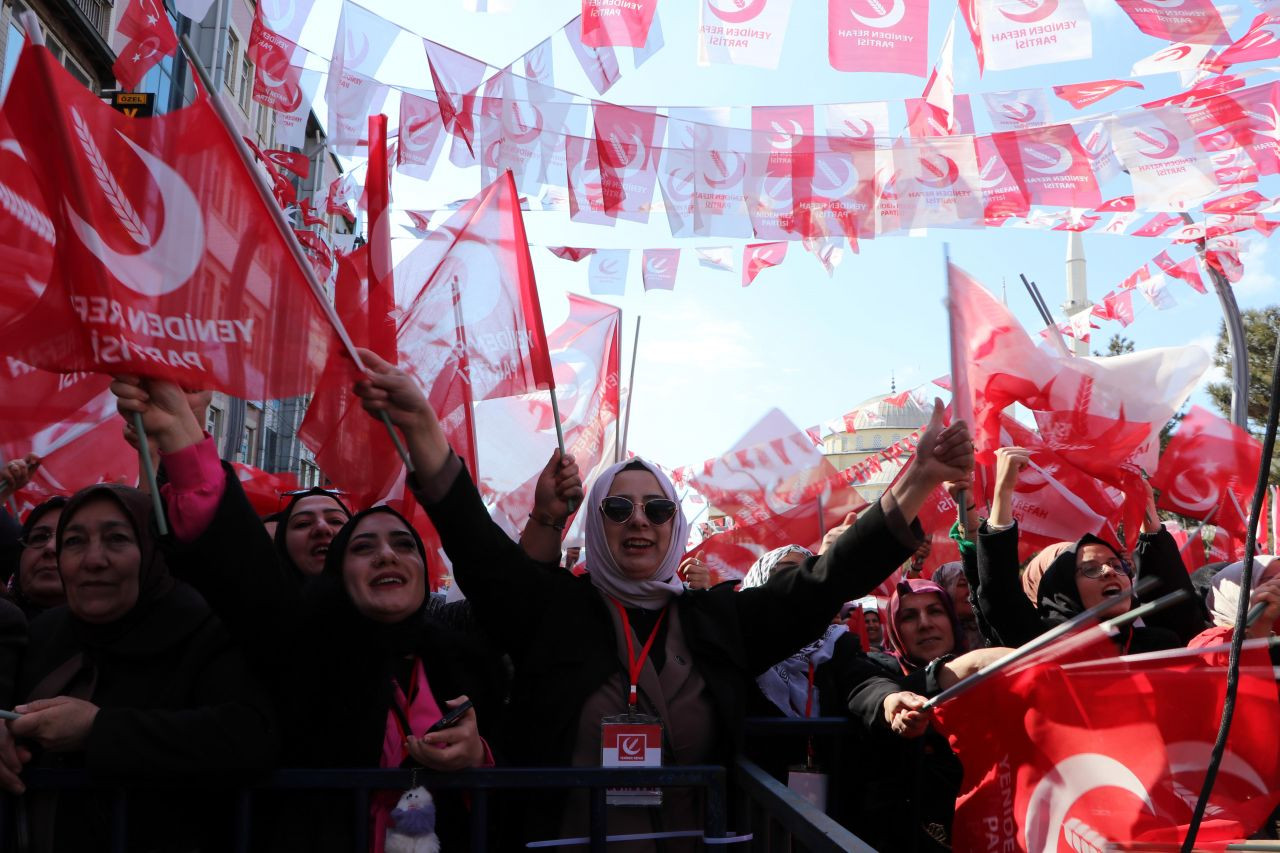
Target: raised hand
[
  {"x": 389, "y": 389},
  {"x": 1010, "y": 461},
  {"x": 943, "y": 454},
  {"x": 166, "y": 410},
  {"x": 558, "y": 486},
  {"x": 16, "y": 473}
]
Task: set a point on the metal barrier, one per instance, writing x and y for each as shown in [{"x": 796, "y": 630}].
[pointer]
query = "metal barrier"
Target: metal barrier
[
  {"x": 780, "y": 819},
  {"x": 477, "y": 782}
]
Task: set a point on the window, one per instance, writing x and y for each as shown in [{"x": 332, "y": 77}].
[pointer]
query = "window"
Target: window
[
  {"x": 229, "y": 62},
  {"x": 861, "y": 444},
  {"x": 264, "y": 126},
  {"x": 249, "y": 445},
  {"x": 246, "y": 83},
  {"x": 878, "y": 442},
  {"x": 213, "y": 424}
]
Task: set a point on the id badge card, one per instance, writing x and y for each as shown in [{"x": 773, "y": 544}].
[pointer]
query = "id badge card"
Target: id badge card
[
  {"x": 810, "y": 784},
  {"x": 631, "y": 740}
]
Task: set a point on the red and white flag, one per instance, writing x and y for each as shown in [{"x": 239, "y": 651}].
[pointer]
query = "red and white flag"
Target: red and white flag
[
  {"x": 1050, "y": 166},
  {"x": 760, "y": 256},
  {"x": 286, "y": 17},
  {"x": 658, "y": 268},
  {"x": 584, "y": 182},
  {"x": 1002, "y": 197},
  {"x": 353, "y": 92},
  {"x": 1119, "y": 305},
  {"x": 1188, "y": 270},
  {"x": 145, "y": 23},
  {"x": 878, "y": 35},
  {"x": 715, "y": 257},
  {"x": 1020, "y": 33},
  {"x": 1208, "y": 471},
  {"x": 1193, "y": 21},
  {"x": 1081, "y": 95},
  {"x": 277, "y": 82},
  {"x": 854, "y": 127},
  {"x": 742, "y": 32},
  {"x": 780, "y": 170},
  {"x": 169, "y": 262},
  {"x": 1018, "y": 108},
  {"x": 518, "y": 434},
  {"x": 1169, "y": 169},
  {"x": 627, "y": 150},
  {"x": 617, "y": 23},
  {"x": 421, "y": 136},
  {"x": 455, "y": 77},
  {"x": 935, "y": 182},
  {"x": 1181, "y": 57},
  {"x": 1261, "y": 42},
  {"x": 294, "y": 161},
  {"x": 600, "y": 64},
  {"x": 721, "y": 180}
]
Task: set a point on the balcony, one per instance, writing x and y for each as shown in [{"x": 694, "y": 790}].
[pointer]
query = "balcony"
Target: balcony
[{"x": 97, "y": 13}]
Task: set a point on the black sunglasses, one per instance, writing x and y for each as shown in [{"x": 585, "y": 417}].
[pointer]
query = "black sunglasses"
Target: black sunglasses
[{"x": 619, "y": 509}]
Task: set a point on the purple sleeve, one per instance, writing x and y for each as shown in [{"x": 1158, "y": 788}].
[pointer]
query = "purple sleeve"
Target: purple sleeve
[{"x": 196, "y": 483}]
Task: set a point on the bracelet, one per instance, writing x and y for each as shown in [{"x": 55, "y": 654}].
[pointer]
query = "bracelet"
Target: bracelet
[{"x": 545, "y": 522}]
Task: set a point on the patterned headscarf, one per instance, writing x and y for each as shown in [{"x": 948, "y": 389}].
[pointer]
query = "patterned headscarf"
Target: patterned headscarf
[
  {"x": 762, "y": 569},
  {"x": 1224, "y": 597}
]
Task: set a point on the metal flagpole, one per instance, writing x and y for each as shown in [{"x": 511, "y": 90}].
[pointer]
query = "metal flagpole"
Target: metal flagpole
[{"x": 631, "y": 391}]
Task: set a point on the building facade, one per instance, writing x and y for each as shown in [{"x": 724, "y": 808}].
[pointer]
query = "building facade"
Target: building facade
[{"x": 878, "y": 423}]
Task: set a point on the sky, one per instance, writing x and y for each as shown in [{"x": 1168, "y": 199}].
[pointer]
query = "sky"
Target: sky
[{"x": 714, "y": 357}]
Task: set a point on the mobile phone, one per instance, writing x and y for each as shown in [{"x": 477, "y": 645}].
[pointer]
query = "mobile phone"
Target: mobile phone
[{"x": 450, "y": 718}]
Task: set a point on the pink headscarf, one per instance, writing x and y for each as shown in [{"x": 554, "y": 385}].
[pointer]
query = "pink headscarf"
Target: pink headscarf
[
  {"x": 653, "y": 592},
  {"x": 919, "y": 585}
]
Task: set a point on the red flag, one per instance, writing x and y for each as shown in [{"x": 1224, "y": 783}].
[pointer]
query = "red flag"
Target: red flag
[
  {"x": 1208, "y": 470},
  {"x": 294, "y": 161},
  {"x": 382, "y": 297},
  {"x": 421, "y": 136},
  {"x": 26, "y": 253},
  {"x": 1245, "y": 202},
  {"x": 1158, "y": 224},
  {"x": 1002, "y": 196},
  {"x": 455, "y": 77},
  {"x": 1050, "y": 166},
  {"x": 1192, "y": 551},
  {"x": 1188, "y": 270},
  {"x": 518, "y": 434},
  {"x": 266, "y": 492},
  {"x": 870, "y": 35},
  {"x": 617, "y": 23},
  {"x": 337, "y": 198},
  {"x": 1261, "y": 42},
  {"x": 1193, "y": 21},
  {"x": 570, "y": 253},
  {"x": 151, "y": 38},
  {"x": 169, "y": 260},
  {"x": 626, "y": 150},
  {"x": 1081, "y": 95},
  {"x": 760, "y": 256},
  {"x": 277, "y": 82},
  {"x": 731, "y": 553},
  {"x": 1120, "y": 306},
  {"x": 1093, "y": 754}
]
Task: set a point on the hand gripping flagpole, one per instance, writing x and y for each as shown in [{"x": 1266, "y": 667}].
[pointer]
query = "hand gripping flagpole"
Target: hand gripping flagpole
[{"x": 282, "y": 224}]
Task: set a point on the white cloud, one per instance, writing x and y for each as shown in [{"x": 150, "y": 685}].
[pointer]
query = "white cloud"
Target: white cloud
[
  {"x": 1257, "y": 279},
  {"x": 1101, "y": 10}
]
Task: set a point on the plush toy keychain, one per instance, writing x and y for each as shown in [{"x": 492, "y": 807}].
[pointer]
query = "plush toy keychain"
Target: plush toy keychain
[{"x": 413, "y": 824}]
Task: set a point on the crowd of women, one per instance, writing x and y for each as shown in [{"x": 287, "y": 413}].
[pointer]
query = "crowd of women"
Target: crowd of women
[{"x": 190, "y": 664}]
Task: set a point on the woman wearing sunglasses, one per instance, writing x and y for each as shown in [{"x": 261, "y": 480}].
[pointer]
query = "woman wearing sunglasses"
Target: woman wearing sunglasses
[
  {"x": 1067, "y": 578},
  {"x": 627, "y": 638}
]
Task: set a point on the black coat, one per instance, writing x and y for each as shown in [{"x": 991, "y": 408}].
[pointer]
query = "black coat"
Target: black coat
[
  {"x": 561, "y": 639},
  {"x": 901, "y": 794},
  {"x": 331, "y": 669},
  {"x": 13, "y": 640},
  {"x": 179, "y": 707},
  {"x": 1014, "y": 620}
]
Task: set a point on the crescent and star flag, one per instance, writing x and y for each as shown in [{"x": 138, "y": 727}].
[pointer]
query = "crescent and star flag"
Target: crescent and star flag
[
  {"x": 1208, "y": 471},
  {"x": 1081, "y": 95},
  {"x": 151, "y": 38},
  {"x": 658, "y": 268},
  {"x": 169, "y": 261},
  {"x": 1093, "y": 754},
  {"x": 277, "y": 82},
  {"x": 1050, "y": 165}
]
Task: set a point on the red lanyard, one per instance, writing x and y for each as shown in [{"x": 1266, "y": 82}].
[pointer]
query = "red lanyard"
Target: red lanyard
[
  {"x": 402, "y": 714},
  {"x": 634, "y": 664},
  {"x": 808, "y": 699}
]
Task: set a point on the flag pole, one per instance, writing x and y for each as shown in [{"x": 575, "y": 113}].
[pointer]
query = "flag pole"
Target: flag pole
[
  {"x": 1047, "y": 638},
  {"x": 961, "y": 495},
  {"x": 282, "y": 224},
  {"x": 617, "y": 421},
  {"x": 631, "y": 390},
  {"x": 149, "y": 470}
]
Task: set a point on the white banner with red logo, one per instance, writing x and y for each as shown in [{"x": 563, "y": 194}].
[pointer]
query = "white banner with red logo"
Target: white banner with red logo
[
  {"x": 742, "y": 32},
  {"x": 1019, "y": 33},
  {"x": 1018, "y": 108},
  {"x": 1169, "y": 169},
  {"x": 878, "y": 35}
]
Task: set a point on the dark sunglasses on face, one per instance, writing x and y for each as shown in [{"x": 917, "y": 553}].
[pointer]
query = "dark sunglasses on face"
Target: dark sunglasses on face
[
  {"x": 619, "y": 509},
  {"x": 1093, "y": 571}
]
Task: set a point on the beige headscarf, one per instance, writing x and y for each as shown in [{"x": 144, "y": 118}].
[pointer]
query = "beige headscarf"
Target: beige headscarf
[{"x": 1036, "y": 568}]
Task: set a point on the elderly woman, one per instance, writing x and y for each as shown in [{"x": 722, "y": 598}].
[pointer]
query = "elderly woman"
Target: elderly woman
[
  {"x": 136, "y": 680},
  {"x": 362, "y": 672},
  {"x": 36, "y": 585},
  {"x": 627, "y": 637},
  {"x": 1070, "y": 577}
]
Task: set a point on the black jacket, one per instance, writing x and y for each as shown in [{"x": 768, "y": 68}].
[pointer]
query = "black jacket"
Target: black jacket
[
  {"x": 561, "y": 638},
  {"x": 179, "y": 708},
  {"x": 1014, "y": 620}
]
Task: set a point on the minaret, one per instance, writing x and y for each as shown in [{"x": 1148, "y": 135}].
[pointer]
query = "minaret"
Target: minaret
[{"x": 1077, "y": 285}]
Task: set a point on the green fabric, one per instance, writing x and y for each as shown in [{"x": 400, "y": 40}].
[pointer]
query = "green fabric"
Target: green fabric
[{"x": 966, "y": 546}]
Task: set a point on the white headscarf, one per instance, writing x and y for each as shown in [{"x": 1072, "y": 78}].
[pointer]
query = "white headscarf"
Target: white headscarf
[
  {"x": 1224, "y": 595},
  {"x": 654, "y": 591}
]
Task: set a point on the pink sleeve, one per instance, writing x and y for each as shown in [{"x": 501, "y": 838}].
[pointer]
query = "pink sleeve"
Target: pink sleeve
[{"x": 196, "y": 483}]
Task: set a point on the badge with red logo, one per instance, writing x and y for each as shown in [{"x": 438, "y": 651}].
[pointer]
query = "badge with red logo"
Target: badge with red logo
[{"x": 631, "y": 740}]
